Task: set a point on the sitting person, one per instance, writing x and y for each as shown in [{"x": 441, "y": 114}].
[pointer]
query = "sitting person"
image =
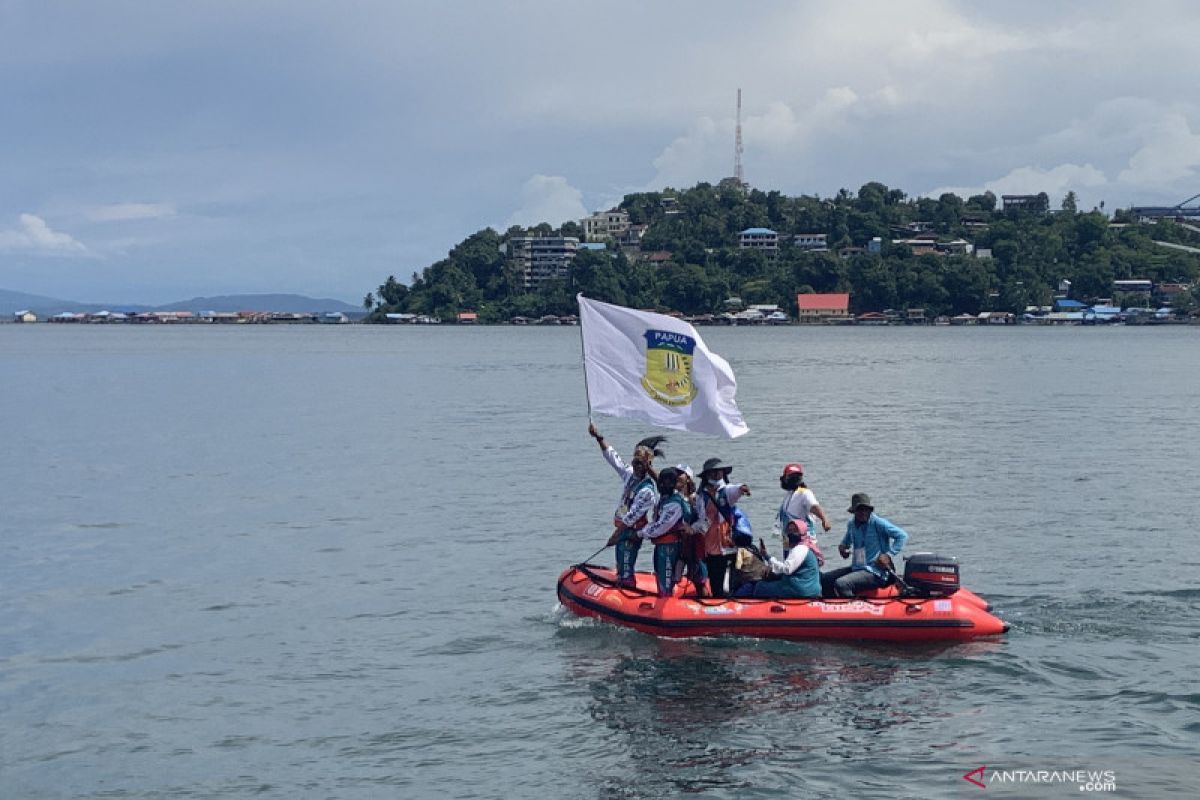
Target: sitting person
[
  {"x": 873, "y": 541},
  {"x": 798, "y": 573},
  {"x": 672, "y": 520}
]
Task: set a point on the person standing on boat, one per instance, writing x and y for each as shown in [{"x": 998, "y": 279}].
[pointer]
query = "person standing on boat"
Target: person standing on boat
[
  {"x": 720, "y": 521},
  {"x": 800, "y": 503},
  {"x": 672, "y": 521},
  {"x": 870, "y": 542},
  {"x": 799, "y": 575},
  {"x": 638, "y": 496},
  {"x": 691, "y": 548}
]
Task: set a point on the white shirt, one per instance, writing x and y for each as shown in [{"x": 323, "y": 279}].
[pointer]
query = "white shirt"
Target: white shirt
[
  {"x": 665, "y": 521},
  {"x": 641, "y": 503},
  {"x": 789, "y": 565}
]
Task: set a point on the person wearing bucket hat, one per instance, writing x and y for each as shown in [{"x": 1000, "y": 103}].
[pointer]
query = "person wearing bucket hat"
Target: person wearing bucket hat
[
  {"x": 870, "y": 542},
  {"x": 799, "y": 503},
  {"x": 720, "y": 521},
  {"x": 638, "y": 496}
]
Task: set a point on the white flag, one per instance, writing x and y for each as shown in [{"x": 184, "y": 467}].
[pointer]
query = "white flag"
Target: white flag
[{"x": 656, "y": 368}]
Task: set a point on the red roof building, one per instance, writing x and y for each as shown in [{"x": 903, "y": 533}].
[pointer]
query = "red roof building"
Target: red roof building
[{"x": 823, "y": 307}]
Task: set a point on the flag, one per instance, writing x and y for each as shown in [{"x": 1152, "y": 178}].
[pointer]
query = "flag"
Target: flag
[{"x": 656, "y": 368}]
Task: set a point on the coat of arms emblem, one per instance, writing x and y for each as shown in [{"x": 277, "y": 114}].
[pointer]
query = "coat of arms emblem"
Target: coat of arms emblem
[{"x": 668, "y": 377}]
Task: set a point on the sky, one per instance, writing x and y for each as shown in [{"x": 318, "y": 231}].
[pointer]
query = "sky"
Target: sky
[{"x": 156, "y": 151}]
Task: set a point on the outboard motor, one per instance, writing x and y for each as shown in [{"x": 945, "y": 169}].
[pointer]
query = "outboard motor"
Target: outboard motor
[{"x": 930, "y": 575}]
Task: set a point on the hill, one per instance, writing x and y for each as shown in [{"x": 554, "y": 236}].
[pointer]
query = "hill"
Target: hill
[
  {"x": 947, "y": 255},
  {"x": 11, "y": 302}
]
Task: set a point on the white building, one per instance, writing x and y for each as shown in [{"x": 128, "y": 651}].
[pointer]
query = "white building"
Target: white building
[
  {"x": 759, "y": 239},
  {"x": 605, "y": 224},
  {"x": 543, "y": 258},
  {"x": 811, "y": 241}
]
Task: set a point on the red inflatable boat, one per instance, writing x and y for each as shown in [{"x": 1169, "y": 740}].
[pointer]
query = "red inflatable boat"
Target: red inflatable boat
[{"x": 591, "y": 591}]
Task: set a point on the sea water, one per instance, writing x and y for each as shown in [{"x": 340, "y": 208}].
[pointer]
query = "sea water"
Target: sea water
[{"x": 320, "y": 562}]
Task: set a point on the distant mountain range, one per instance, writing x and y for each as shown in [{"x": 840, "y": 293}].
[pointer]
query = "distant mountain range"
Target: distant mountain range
[{"x": 12, "y": 302}]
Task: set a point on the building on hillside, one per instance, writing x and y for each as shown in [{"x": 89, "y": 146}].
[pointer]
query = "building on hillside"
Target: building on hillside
[
  {"x": 542, "y": 258},
  {"x": 605, "y": 225},
  {"x": 763, "y": 239},
  {"x": 816, "y": 242},
  {"x": 1026, "y": 202},
  {"x": 823, "y": 308},
  {"x": 1138, "y": 286},
  {"x": 657, "y": 257},
  {"x": 1166, "y": 292}
]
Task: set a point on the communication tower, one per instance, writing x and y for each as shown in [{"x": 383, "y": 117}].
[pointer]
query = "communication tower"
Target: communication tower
[{"x": 737, "y": 146}]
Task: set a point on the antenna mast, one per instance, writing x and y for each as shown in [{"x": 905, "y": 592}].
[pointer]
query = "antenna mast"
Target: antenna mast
[{"x": 737, "y": 147}]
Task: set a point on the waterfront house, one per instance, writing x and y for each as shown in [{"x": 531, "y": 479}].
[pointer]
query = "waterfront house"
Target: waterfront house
[
  {"x": 872, "y": 318},
  {"x": 25, "y": 315},
  {"x": 831, "y": 308},
  {"x": 467, "y": 317},
  {"x": 400, "y": 319}
]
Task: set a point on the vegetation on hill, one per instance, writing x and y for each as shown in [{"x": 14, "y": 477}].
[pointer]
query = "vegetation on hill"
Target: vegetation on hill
[{"x": 1031, "y": 251}]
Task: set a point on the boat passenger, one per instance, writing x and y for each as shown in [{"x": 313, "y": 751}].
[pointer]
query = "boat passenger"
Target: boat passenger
[
  {"x": 872, "y": 541},
  {"x": 800, "y": 503},
  {"x": 638, "y": 496},
  {"x": 798, "y": 573},
  {"x": 672, "y": 518},
  {"x": 691, "y": 548},
  {"x": 717, "y": 519}
]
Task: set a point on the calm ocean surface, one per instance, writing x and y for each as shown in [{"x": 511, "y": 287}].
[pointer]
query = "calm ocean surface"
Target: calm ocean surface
[{"x": 320, "y": 562}]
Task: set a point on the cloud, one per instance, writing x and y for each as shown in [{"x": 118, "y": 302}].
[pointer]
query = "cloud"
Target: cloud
[
  {"x": 548, "y": 198},
  {"x": 34, "y": 236},
  {"x": 122, "y": 212},
  {"x": 1171, "y": 153},
  {"x": 1055, "y": 182}
]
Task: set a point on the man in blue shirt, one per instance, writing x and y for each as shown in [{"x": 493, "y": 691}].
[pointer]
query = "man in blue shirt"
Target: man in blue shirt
[{"x": 870, "y": 542}]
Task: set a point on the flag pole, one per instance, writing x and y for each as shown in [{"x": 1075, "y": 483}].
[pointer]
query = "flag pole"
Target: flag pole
[{"x": 587, "y": 393}]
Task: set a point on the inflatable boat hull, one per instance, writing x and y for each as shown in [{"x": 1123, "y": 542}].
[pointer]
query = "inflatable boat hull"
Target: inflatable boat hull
[{"x": 590, "y": 591}]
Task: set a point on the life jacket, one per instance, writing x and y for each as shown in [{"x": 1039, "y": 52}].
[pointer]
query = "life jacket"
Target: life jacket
[
  {"x": 716, "y": 538},
  {"x": 627, "y": 498},
  {"x": 676, "y": 533}
]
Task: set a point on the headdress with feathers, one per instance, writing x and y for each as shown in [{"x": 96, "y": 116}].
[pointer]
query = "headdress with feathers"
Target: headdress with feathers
[{"x": 648, "y": 448}]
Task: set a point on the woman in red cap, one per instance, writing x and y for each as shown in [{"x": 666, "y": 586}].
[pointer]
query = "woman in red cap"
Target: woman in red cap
[{"x": 800, "y": 504}]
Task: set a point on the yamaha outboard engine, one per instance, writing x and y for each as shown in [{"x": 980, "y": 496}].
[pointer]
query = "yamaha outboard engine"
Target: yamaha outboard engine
[{"x": 930, "y": 575}]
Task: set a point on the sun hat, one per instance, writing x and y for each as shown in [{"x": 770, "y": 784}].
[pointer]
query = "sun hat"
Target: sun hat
[
  {"x": 715, "y": 465},
  {"x": 860, "y": 499}
]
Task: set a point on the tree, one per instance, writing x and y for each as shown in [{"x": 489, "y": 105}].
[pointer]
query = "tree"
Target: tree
[
  {"x": 1068, "y": 203},
  {"x": 369, "y": 301}
]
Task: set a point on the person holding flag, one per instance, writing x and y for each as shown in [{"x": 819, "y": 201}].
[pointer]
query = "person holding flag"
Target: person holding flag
[{"x": 638, "y": 498}]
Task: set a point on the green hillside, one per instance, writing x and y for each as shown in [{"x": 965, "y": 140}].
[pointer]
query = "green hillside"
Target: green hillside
[{"x": 1031, "y": 251}]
